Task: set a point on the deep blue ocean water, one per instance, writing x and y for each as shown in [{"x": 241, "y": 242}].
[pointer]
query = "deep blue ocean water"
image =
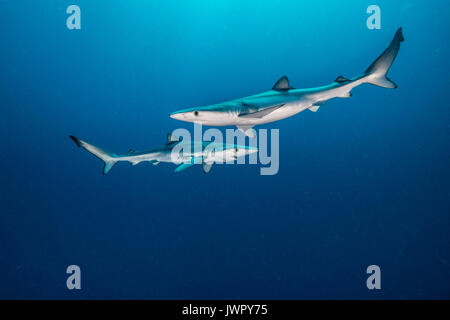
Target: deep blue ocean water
[{"x": 363, "y": 181}]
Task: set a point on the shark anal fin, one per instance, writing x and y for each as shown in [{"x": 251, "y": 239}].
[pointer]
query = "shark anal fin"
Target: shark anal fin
[{"x": 347, "y": 94}]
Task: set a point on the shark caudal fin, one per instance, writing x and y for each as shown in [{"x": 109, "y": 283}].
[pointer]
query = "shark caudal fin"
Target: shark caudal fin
[
  {"x": 376, "y": 73},
  {"x": 108, "y": 158}
]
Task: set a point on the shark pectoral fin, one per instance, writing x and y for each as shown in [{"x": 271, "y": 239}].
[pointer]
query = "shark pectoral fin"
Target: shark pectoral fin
[
  {"x": 189, "y": 163},
  {"x": 261, "y": 113},
  {"x": 314, "y": 108},
  {"x": 247, "y": 130},
  {"x": 196, "y": 160},
  {"x": 207, "y": 166},
  {"x": 183, "y": 166}
]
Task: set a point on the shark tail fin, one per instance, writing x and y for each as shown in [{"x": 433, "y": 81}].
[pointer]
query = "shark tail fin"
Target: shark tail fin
[
  {"x": 376, "y": 73},
  {"x": 108, "y": 158}
]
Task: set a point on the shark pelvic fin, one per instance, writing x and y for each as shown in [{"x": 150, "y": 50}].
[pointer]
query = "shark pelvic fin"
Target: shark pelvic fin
[
  {"x": 282, "y": 84},
  {"x": 314, "y": 108},
  {"x": 247, "y": 130},
  {"x": 207, "y": 166}
]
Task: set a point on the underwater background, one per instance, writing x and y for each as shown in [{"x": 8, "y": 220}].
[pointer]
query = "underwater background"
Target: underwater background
[{"x": 363, "y": 181}]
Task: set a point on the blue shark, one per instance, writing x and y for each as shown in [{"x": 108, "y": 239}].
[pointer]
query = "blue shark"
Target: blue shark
[
  {"x": 183, "y": 153},
  {"x": 284, "y": 101}
]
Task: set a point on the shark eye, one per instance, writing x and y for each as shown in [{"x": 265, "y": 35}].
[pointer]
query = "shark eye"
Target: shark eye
[{"x": 195, "y": 113}]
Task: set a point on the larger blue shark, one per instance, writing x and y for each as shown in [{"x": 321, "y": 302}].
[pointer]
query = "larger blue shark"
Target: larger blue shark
[{"x": 284, "y": 101}]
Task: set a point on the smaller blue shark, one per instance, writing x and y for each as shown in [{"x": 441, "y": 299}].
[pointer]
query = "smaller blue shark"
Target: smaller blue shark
[{"x": 193, "y": 152}]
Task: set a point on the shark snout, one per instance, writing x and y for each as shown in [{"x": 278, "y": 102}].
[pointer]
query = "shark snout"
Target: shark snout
[{"x": 177, "y": 115}]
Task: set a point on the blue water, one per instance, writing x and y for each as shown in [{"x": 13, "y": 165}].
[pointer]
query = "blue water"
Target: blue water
[{"x": 363, "y": 181}]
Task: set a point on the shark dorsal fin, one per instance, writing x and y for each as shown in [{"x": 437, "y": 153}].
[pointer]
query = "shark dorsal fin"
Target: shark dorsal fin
[
  {"x": 341, "y": 79},
  {"x": 282, "y": 84},
  {"x": 171, "y": 139}
]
